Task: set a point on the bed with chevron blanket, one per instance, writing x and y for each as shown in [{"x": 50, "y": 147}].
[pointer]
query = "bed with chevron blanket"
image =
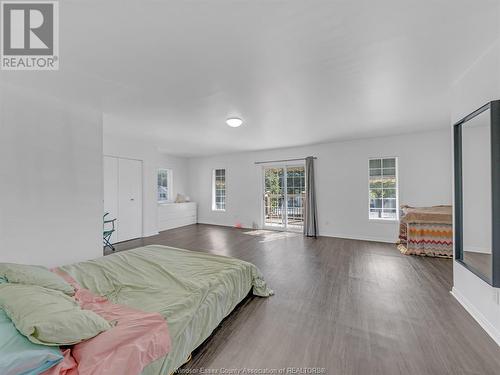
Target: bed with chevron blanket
[{"x": 426, "y": 231}]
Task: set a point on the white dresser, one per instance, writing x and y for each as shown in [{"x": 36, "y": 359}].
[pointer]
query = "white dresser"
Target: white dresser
[{"x": 174, "y": 215}]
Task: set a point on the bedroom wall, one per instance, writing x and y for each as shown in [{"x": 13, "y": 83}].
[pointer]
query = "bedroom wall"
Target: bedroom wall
[
  {"x": 152, "y": 161},
  {"x": 341, "y": 178},
  {"x": 50, "y": 179},
  {"x": 479, "y": 84}
]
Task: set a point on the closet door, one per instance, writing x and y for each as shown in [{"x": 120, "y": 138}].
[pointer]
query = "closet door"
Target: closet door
[
  {"x": 111, "y": 191},
  {"x": 129, "y": 199}
]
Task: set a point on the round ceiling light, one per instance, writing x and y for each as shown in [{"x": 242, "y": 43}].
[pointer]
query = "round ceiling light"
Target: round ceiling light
[{"x": 234, "y": 122}]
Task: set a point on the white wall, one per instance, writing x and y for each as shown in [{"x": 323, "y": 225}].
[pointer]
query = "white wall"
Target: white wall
[
  {"x": 477, "y": 86},
  {"x": 50, "y": 180},
  {"x": 152, "y": 161},
  {"x": 341, "y": 178}
]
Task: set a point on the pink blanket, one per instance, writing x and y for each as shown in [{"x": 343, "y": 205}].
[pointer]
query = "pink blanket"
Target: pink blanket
[{"x": 137, "y": 339}]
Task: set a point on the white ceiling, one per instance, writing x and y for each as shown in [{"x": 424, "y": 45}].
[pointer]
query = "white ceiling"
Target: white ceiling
[{"x": 298, "y": 72}]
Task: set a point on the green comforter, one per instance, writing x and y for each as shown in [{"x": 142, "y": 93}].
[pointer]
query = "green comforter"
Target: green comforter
[{"x": 194, "y": 291}]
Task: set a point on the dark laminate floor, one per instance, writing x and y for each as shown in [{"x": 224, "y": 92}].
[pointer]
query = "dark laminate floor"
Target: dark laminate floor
[
  {"x": 352, "y": 307},
  {"x": 480, "y": 262}
]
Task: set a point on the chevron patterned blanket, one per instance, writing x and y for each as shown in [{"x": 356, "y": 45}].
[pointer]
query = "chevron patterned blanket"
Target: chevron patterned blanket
[{"x": 426, "y": 238}]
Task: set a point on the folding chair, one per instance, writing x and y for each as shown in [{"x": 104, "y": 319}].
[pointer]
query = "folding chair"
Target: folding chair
[{"x": 108, "y": 228}]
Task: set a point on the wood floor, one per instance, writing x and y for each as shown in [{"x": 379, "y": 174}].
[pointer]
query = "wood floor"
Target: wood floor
[
  {"x": 480, "y": 262},
  {"x": 351, "y": 307}
]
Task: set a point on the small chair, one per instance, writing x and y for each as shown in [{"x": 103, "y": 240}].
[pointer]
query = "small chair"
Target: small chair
[{"x": 107, "y": 232}]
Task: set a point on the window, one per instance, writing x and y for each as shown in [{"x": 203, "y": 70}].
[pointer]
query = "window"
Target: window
[
  {"x": 383, "y": 189},
  {"x": 219, "y": 190},
  {"x": 164, "y": 184}
]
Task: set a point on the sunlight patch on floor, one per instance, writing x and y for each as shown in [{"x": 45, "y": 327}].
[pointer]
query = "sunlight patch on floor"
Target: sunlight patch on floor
[{"x": 270, "y": 235}]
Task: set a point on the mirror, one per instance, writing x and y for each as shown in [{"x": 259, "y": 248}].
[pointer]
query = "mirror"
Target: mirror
[{"x": 477, "y": 192}]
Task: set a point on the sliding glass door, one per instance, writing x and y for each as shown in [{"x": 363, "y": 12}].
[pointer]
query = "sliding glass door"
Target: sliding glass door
[
  {"x": 274, "y": 197},
  {"x": 284, "y": 193}
]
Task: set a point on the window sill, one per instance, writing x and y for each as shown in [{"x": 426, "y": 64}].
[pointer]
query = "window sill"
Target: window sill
[
  {"x": 213, "y": 210},
  {"x": 384, "y": 221}
]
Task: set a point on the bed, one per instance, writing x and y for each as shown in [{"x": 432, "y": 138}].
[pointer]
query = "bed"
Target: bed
[
  {"x": 193, "y": 291},
  {"x": 426, "y": 231}
]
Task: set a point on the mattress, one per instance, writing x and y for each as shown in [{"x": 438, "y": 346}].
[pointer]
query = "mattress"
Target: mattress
[
  {"x": 193, "y": 291},
  {"x": 426, "y": 231},
  {"x": 424, "y": 215}
]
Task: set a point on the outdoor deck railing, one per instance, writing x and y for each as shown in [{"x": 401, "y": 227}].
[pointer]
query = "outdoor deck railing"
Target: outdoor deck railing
[{"x": 275, "y": 207}]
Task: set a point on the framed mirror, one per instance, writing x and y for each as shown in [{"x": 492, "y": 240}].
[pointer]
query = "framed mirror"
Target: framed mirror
[{"x": 477, "y": 192}]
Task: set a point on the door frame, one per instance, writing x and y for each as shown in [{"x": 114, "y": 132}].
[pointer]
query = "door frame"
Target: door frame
[
  {"x": 142, "y": 191},
  {"x": 284, "y": 166}
]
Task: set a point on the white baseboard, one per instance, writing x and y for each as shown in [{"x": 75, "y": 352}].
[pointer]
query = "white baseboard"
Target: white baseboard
[
  {"x": 334, "y": 235},
  {"x": 150, "y": 234},
  {"x": 361, "y": 238},
  {"x": 204, "y": 222},
  {"x": 476, "y": 314},
  {"x": 477, "y": 250}
]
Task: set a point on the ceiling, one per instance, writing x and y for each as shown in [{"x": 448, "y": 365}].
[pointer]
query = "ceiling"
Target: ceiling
[{"x": 297, "y": 72}]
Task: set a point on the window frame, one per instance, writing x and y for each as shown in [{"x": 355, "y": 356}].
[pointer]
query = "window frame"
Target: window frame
[
  {"x": 214, "y": 190},
  {"x": 169, "y": 185},
  {"x": 396, "y": 187}
]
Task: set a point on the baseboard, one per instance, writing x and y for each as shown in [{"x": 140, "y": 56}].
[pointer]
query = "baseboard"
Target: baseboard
[
  {"x": 224, "y": 225},
  {"x": 150, "y": 234},
  {"x": 476, "y": 314},
  {"x": 360, "y": 238},
  {"x": 334, "y": 235},
  {"x": 477, "y": 250}
]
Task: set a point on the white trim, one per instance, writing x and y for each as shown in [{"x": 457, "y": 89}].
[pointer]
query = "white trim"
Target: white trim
[
  {"x": 151, "y": 234},
  {"x": 169, "y": 185},
  {"x": 214, "y": 208},
  {"x": 282, "y": 165},
  {"x": 396, "y": 159},
  {"x": 384, "y": 221},
  {"x": 121, "y": 157},
  {"x": 143, "y": 191},
  {"x": 479, "y": 250},
  {"x": 359, "y": 238},
  {"x": 476, "y": 314},
  {"x": 209, "y": 221}
]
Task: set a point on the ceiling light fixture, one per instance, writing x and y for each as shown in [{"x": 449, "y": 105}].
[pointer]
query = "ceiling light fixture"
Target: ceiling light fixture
[{"x": 234, "y": 122}]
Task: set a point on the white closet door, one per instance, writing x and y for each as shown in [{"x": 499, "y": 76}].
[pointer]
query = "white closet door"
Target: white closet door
[
  {"x": 111, "y": 191},
  {"x": 129, "y": 199}
]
